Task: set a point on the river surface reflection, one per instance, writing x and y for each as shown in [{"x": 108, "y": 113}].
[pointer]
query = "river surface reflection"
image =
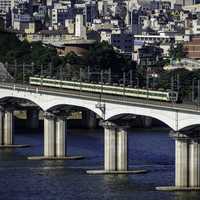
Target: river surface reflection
[{"x": 23, "y": 179}]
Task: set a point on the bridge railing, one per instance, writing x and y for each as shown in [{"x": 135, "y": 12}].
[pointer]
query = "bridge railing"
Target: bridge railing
[
  {"x": 191, "y": 89},
  {"x": 99, "y": 98}
]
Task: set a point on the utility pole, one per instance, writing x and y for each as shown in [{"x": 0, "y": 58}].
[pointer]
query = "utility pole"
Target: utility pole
[
  {"x": 109, "y": 76},
  {"x": 147, "y": 82},
  {"x": 80, "y": 74},
  {"x": 15, "y": 71},
  {"x": 172, "y": 82},
  {"x": 41, "y": 70},
  {"x": 178, "y": 82},
  {"x": 101, "y": 76},
  {"x": 50, "y": 69},
  {"x": 137, "y": 82},
  {"x": 23, "y": 69},
  {"x": 32, "y": 68},
  {"x": 193, "y": 89},
  {"x": 124, "y": 78},
  {"x": 88, "y": 73},
  {"x": 124, "y": 81},
  {"x": 131, "y": 77},
  {"x": 61, "y": 72}
]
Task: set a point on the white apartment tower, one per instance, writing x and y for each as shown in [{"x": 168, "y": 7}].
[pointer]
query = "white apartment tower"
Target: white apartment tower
[
  {"x": 5, "y": 5},
  {"x": 185, "y": 2},
  {"x": 80, "y": 30}
]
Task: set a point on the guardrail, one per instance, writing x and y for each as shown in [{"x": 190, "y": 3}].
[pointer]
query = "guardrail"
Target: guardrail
[{"x": 101, "y": 97}]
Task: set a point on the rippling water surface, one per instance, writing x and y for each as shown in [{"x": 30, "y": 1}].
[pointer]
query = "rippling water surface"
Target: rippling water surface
[{"x": 22, "y": 179}]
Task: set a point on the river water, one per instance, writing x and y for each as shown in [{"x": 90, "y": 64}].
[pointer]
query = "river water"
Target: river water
[{"x": 22, "y": 179}]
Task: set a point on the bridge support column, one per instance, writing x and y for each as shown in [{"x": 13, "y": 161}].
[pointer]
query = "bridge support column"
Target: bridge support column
[
  {"x": 49, "y": 135},
  {"x": 187, "y": 174},
  {"x": 194, "y": 163},
  {"x": 109, "y": 147},
  {"x": 187, "y": 160},
  {"x": 122, "y": 150},
  {"x": 33, "y": 118},
  {"x": 8, "y": 127},
  {"x": 181, "y": 163},
  {"x": 115, "y": 151},
  {"x": 60, "y": 136},
  {"x": 54, "y": 138}
]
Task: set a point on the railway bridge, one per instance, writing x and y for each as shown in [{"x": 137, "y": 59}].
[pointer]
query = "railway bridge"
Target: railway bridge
[{"x": 183, "y": 120}]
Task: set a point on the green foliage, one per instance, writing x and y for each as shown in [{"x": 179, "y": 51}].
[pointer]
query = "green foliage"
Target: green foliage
[
  {"x": 176, "y": 52},
  {"x": 101, "y": 56},
  {"x": 186, "y": 79}
]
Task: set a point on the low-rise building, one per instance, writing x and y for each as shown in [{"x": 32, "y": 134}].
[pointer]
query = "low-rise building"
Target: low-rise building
[
  {"x": 149, "y": 56},
  {"x": 192, "y": 48}
]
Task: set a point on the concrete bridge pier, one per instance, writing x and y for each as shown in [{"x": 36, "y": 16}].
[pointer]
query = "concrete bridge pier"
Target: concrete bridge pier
[
  {"x": 60, "y": 136},
  {"x": 8, "y": 127},
  {"x": 187, "y": 162},
  {"x": 49, "y": 135},
  {"x": 54, "y": 138},
  {"x": 122, "y": 149},
  {"x": 115, "y": 151},
  {"x": 181, "y": 162},
  {"x": 194, "y": 167},
  {"x": 115, "y": 148},
  {"x": 33, "y": 118},
  {"x": 110, "y": 148}
]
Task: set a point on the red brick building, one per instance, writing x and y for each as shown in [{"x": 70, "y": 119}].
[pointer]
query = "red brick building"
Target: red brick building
[{"x": 192, "y": 48}]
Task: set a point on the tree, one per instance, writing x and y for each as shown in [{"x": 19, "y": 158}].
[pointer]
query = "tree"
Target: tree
[
  {"x": 102, "y": 56},
  {"x": 176, "y": 52}
]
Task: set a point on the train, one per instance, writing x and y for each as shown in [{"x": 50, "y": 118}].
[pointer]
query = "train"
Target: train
[{"x": 168, "y": 96}]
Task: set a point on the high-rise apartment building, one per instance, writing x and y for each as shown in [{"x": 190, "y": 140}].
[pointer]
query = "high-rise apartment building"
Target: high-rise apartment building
[
  {"x": 5, "y": 5},
  {"x": 185, "y": 2}
]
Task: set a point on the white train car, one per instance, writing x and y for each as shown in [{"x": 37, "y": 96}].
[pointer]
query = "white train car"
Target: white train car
[{"x": 106, "y": 89}]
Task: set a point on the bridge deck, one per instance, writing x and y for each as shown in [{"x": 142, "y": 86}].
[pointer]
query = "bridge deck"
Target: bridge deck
[{"x": 102, "y": 97}]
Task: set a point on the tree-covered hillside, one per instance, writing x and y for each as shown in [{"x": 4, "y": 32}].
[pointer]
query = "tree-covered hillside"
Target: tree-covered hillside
[{"x": 101, "y": 56}]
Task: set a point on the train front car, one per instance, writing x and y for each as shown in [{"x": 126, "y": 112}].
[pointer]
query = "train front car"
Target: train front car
[{"x": 173, "y": 97}]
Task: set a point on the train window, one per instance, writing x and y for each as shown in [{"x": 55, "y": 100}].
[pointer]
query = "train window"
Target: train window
[{"x": 172, "y": 94}]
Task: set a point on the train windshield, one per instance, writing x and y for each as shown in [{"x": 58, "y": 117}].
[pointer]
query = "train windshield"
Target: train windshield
[{"x": 173, "y": 96}]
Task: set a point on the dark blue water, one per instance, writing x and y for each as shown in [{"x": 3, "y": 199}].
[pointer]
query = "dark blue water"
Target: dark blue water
[{"x": 22, "y": 179}]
